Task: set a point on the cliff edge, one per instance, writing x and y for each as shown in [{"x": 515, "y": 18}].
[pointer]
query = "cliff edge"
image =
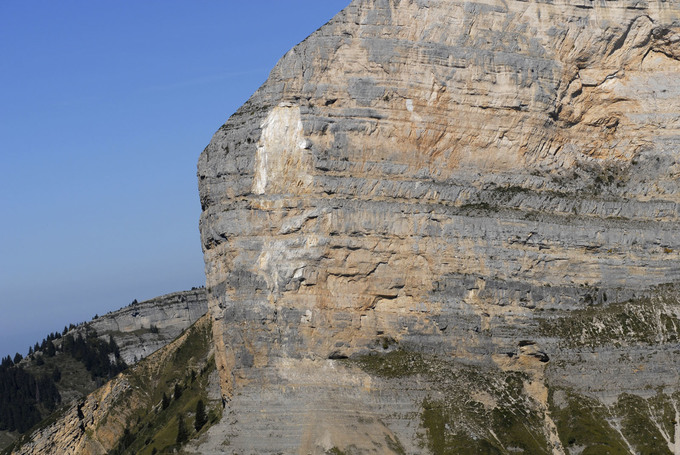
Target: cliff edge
[{"x": 437, "y": 216}]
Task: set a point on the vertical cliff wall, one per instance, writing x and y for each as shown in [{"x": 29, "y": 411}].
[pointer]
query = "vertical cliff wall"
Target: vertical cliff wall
[{"x": 493, "y": 182}]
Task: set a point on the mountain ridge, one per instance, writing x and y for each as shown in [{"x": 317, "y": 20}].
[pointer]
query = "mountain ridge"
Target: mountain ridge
[{"x": 137, "y": 330}]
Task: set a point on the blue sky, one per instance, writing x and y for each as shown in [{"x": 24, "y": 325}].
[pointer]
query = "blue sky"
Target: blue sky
[{"x": 104, "y": 109}]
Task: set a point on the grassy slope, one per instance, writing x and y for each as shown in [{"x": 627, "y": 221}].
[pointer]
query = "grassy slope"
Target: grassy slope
[
  {"x": 458, "y": 424},
  {"x": 134, "y": 422},
  {"x": 189, "y": 364}
]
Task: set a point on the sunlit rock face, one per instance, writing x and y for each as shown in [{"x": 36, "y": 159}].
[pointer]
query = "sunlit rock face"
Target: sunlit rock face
[
  {"x": 471, "y": 180},
  {"x": 142, "y": 328}
]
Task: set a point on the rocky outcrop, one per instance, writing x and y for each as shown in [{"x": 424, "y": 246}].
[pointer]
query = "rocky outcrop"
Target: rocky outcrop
[
  {"x": 139, "y": 330},
  {"x": 142, "y": 328},
  {"x": 127, "y": 414},
  {"x": 458, "y": 178}
]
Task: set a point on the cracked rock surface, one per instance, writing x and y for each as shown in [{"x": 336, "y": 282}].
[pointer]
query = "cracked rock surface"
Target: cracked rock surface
[{"x": 493, "y": 183}]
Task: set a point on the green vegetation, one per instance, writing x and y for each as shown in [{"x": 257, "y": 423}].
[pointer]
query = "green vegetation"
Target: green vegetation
[
  {"x": 150, "y": 412},
  {"x": 646, "y": 320},
  {"x": 583, "y": 422},
  {"x": 486, "y": 410},
  {"x": 643, "y": 419},
  {"x": 647, "y": 424},
  {"x": 395, "y": 364},
  {"x": 462, "y": 425},
  {"x": 24, "y": 398},
  {"x": 504, "y": 194},
  {"x": 29, "y": 390},
  {"x": 200, "y": 417},
  {"x": 182, "y": 431},
  {"x": 459, "y": 423},
  {"x": 158, "y": 422},
  {"x": 436, "y": 419},
  {"x": 102, "y": 359},
  {"x": 165, "y": 401},
  {"x": 75, "y": 381}
]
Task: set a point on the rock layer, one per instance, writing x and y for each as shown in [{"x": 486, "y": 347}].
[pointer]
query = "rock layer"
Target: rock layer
[
  {"x": 453, "y": 177},
  {"x": 142, "y": 328}
]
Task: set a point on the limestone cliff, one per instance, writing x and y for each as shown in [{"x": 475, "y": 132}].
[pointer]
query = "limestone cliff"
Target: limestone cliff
[
  {"x": 142, "y": 328},
  {"x": 467, "y": 180}
]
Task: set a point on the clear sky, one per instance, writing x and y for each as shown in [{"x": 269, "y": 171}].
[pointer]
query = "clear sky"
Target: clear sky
[{"x": 105, "y": 107}]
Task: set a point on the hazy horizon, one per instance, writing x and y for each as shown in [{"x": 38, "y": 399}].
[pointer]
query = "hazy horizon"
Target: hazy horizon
[{"x": 105, "y": 110}]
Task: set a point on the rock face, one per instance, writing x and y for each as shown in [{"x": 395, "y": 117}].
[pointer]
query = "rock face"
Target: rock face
[
  {"x": 142, "y": 328},
  {"x": 491, "y": 183}
]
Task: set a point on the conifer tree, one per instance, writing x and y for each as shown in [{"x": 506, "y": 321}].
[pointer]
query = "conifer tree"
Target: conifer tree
[
  {"x": 50, "y": 349},
  {"x": 182, "y": 431},
  {"x": 165, "y": 402},
  {"x": 201, "y": 418}
]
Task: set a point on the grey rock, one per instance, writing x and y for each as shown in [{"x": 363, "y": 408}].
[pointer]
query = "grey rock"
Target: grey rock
[
  {"x": 131, "y": 326},
  {"x": 455, "y": 177}
]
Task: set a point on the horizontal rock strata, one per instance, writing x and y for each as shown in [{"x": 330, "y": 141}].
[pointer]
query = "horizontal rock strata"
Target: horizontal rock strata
[
  {"x": 142, "y": 328},
  {"x": 457, "y": 178}
]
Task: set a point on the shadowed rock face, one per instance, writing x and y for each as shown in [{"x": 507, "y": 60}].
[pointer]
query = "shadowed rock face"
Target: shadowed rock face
[{"x": 465, "y": 179}]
